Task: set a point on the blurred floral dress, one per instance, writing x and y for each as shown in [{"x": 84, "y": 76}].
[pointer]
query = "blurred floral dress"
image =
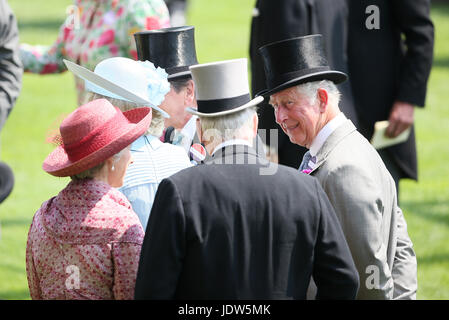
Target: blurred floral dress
[{"x": 97, "y": 30}]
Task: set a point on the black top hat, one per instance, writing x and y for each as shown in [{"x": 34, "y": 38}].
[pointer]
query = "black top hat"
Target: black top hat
[
  {"x": 294, "y": 61},
  {"x": 170, "y": 48},
  {"x": 6, "y": 181}
]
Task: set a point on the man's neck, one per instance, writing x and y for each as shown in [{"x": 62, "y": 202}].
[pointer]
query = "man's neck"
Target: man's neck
[
  {"x": 325, "y": 132},
  {"x": 214, "y": 147}
]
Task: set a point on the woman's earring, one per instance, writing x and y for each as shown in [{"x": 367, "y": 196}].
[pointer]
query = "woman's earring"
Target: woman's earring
[{"x": 112, "y": 168}]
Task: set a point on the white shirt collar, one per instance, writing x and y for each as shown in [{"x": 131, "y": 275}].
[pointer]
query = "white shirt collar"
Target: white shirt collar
[
  {"x": 325, "y": 132},
  {"x": 189, "y": 129},
  {"x": 230, "y": 143}
]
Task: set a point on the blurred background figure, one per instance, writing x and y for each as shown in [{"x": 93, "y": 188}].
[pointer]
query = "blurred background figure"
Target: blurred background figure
[
  {"x": 390, "y": 53},
  {"x": 178, "y": 11},
  {"x": 6, "y": 181},
  {"x": 10, "y": 83},
  {"x": 94, "y": 31},
  {"x": 279, "y": 20}
]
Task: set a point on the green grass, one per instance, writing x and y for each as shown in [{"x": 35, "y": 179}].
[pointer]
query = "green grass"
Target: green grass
[
  {"x": 222, "y": 32},
  {"x": 426, "y": 203}
]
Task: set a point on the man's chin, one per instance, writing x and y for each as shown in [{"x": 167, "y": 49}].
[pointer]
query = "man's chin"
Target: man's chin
[
  {"x": 291, "y": 137},
  {"x": 294, "y": 141}
]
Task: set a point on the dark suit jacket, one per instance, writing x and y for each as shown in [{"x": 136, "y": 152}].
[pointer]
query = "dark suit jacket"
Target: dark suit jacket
[
  {"x": 223, "y": 231},
  {"x": 10, "y": 65},
  {"x": 385, "y": 68},
  {"x": 279, "y": 20}
]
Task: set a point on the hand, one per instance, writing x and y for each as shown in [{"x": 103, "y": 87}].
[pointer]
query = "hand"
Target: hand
[{"x": 401, "y": 118}]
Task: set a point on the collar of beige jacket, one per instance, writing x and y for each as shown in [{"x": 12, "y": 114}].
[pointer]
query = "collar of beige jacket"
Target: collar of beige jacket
[{"x": 332, "y": 141}]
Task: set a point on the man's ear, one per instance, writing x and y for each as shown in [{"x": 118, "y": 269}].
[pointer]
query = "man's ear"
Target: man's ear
[
  {"x": 255, "y": 124},
  {"x": 323, "y": 97},
  {"x": 189, "y": 97},
  {"x": 109, "y": 163},
  {"x": 198, "y": 130}
]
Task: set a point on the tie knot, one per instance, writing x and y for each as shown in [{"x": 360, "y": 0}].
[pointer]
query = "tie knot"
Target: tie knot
[
  {"x": 178, "y": 139},
  {"x": 308, "y": 162}
]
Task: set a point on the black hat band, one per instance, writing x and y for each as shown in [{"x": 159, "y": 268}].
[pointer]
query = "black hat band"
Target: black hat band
[
  {"x": 220, "y": 105},
  {"x": 177, "y": 73},
  {"x": 278, "y": 79}
]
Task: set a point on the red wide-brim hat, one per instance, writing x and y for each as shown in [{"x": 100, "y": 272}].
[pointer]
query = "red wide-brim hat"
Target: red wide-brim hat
[{"x": 93, "y": 133}]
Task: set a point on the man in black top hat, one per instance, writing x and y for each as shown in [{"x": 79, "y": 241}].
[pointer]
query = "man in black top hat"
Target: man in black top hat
[
  {"x": 174, "y": 50},
  {"x": 234, "y": 228},
  {"x": 279, "y": 20},
  {"x": 305, "y": 99}
]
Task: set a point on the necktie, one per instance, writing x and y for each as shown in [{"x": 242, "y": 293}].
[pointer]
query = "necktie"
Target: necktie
[
  {"x": 167, "y": 135},
  {"x": 179, "y": 139},
  {"x": 182, "y": 140},
  {"x": 308, "y": 162}
]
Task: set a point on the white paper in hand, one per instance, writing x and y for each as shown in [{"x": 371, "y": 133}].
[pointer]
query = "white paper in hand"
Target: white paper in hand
[{"x": 379, "y": 140}]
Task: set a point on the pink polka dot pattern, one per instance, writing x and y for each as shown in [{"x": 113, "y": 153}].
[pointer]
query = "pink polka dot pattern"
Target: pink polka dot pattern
[{"x": 84, "y": 244}]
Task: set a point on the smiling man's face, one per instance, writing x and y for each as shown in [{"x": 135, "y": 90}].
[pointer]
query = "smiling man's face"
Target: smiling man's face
[{"x": 297, "y": 115}]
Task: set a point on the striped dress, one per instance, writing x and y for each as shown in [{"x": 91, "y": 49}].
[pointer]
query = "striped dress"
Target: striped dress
[{"x": 152, "y": 162}]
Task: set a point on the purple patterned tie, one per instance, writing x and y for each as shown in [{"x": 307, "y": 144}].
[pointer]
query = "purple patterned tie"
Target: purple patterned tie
[{"x": 305, "y": 164}]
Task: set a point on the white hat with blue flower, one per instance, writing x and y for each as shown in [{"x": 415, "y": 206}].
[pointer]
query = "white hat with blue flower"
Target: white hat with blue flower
[{"x": 126, "y": 79}]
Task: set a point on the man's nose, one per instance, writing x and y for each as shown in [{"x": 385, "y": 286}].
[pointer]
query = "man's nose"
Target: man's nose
[{"x": 280, "y": 115}]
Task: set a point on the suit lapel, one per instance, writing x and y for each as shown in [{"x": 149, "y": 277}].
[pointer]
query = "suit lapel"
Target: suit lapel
[{"x": 332, "y": 141}]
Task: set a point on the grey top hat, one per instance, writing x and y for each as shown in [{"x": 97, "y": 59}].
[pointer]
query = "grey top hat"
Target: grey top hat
[{"x": 222, "y": 88}]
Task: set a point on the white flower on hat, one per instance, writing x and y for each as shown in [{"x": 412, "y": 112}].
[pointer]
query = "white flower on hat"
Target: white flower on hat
[{"x": 158, "y": 85}]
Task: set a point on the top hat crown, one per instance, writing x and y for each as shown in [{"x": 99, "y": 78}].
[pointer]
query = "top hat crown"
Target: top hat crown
[
  {"x": 222, "y": 88},
  {"x": 170, "y": 48},
  {"x": 295, "y": 61}
]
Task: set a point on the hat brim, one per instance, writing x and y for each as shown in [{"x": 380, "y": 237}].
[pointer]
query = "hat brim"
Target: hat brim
[
  {"x": 58, "y": 163},
  {"x": 335, "y": 76},
  {"x": 251, "y": 103},
  {"x": 179, "y": 75},
  {"x": 107, "y": 85},
  {"x": 6, "y": 181}
]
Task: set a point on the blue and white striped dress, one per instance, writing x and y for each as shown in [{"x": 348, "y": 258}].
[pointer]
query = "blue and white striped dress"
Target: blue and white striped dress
[{"x": 152, "y": 162}]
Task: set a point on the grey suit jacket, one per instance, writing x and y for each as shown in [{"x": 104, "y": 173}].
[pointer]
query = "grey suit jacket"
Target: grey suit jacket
[{"x": 363, "y": 194}]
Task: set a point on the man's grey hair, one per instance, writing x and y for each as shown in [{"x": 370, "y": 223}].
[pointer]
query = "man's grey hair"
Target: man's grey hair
[
  {"x": 310, "y": 89},
  {"x": 232, "y": 126},
  {"x": 157, "y": 121}
]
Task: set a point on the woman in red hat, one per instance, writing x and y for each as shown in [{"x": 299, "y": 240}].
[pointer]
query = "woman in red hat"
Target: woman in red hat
[{"x": 85, "y": 242}]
